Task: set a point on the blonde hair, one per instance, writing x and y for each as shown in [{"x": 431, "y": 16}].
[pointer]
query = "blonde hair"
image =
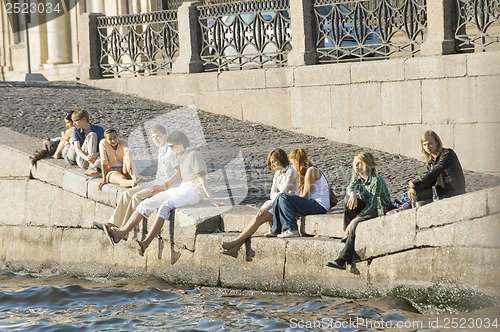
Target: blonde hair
[
  {"x": 80, "y": 114},
  {"x": 368, "y": 160},
  {"x": 303, "y": 161},
  {"x": 425, "y": 137}
]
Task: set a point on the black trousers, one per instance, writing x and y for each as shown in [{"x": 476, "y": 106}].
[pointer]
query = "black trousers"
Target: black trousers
[{"x": 348, "y": 254}]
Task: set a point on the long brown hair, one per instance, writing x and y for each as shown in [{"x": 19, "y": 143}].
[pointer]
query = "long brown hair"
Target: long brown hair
[
  {"x": 303, "y": 162},
  {"x": 425, "y": 137},
  {"x": 280, "y": 156}
]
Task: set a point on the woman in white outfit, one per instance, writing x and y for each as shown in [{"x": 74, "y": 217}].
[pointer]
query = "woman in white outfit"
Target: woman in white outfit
[
  {"x": 285, "y": 180},
  {"x": 193, "y": 171}
]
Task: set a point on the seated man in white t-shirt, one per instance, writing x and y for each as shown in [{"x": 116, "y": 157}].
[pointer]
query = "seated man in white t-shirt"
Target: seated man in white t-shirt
[
  {"x": 193, "y": 171},
  {"x": 167, "y": 175}
]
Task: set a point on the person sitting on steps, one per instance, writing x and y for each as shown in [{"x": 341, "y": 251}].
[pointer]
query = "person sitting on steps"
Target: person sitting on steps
[
  {"x": 314, "y": 197},
  {"x": 116, "y": 161},
  {"x": 285, "y": 180},
  {"x": 363, "y": 191},
  {"x": 444, "y": 172},
  {"x": 193, "y": 172}
]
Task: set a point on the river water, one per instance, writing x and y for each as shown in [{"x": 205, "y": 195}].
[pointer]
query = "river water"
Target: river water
[{"x": 65, "y": 303}]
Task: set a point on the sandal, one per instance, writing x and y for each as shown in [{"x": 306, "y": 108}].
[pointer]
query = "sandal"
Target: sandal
[
  {"x": 230, "y": 244},
  {"x": 140, "y": 249},
  {"x": 230, "y": 253},
  {"x": 109, "y": 232},
  {"x": 137, "y": 181}
]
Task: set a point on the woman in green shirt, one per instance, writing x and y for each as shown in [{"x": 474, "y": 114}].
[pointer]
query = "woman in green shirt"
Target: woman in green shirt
[{"x": 363, "y": 190}]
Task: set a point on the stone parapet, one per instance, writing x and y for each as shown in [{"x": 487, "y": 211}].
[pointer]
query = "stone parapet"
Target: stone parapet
[
  {"x": 378, "y": 104},
  {"x": 48, "y": 224}
]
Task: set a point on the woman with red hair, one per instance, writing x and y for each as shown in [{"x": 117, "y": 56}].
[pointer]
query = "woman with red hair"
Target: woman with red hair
[{"x": 314, "y": 197}]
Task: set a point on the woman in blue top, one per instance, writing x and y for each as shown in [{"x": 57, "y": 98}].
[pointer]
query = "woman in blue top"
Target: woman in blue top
[{"x": 363, "y": 190}]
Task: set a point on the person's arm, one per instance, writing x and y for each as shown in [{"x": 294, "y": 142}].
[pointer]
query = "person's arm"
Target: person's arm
[
  {"x": 352, "y": 203},
  {"x": 65, "y": 137},
  {"x": 174, "y": 178},
  {"x": 79, "y": 150},
  {"x": 291, "y": 181},
  {"x": 104, "y": 164},
  {"x": 274, "y": 187},
  {"x": 312, "y": 175},
  {"x": 202, "y": 177},
  {"x": 430, "y": 178}
]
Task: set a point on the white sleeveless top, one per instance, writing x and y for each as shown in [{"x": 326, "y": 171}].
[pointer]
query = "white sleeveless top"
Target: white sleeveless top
[{"x": 319, "y": 191}]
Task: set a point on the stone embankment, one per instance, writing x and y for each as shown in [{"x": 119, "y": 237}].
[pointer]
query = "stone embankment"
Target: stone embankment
[{"x": 47, "y": 213}]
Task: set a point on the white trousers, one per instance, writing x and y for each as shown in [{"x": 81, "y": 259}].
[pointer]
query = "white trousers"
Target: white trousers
[
  {"x": 168, "y": 200},
  {"x": 89, "y": 146}
]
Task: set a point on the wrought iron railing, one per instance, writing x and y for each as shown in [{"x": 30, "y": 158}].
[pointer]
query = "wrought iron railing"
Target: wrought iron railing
[
  {"x": 478, "y": 24},
  {"x": 245, "y": 34},
  {"x": 364, "y": 29},
  {"x": 138, "y": 44}
]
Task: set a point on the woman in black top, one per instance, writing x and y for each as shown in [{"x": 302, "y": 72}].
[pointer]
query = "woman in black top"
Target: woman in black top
[{"x": 444, "y": 171}]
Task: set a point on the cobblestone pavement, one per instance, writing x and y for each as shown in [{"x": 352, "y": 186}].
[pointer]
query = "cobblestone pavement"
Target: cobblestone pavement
[{"x": 36, "y": 109}]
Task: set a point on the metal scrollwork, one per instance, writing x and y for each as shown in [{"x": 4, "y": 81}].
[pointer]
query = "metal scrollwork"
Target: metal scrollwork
[
  {"x": 244, "y": 35},
  {"x": 367, "y": 29},
  {"x": 478, "y": 24},
  {"x": 138, "y": 44}
]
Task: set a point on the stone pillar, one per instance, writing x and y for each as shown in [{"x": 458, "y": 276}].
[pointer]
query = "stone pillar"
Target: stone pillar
[
  {"x": 441, "y": 34},
  {"x": 90, "y": 48},
  {"x": 136, "y": 7},
  {"x": 97, "y": 6},
  {"x": 189, "y": 60},
  {"x": 303, "y": 37},
  {"x": 58, "y": 44}
]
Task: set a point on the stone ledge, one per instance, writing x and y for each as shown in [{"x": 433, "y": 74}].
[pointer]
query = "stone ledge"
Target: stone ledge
[{"x": 321, "y": 225}]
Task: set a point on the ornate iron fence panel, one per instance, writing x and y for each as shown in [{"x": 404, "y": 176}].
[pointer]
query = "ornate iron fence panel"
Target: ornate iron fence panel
[
  {"x": 367, "y": 29},
  {"x": 478, "y": 24},
  {"x": 245, "y": 34},
  {"x": 138, "y": 44}
]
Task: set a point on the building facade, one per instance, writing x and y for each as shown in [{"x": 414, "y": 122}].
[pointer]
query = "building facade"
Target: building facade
[{"x": 54, "y": 40}]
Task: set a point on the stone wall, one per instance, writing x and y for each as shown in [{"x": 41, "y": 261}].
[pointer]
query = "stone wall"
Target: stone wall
[
  {"x": 385, "y": 105},
  {"x": 47, "y": 213}
]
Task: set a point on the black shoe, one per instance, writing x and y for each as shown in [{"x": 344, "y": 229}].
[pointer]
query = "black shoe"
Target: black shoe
[
  {"x": 98, "y": 225},
  {"x": 336, "y": 264},
  {"x": 343, "y": 240}
]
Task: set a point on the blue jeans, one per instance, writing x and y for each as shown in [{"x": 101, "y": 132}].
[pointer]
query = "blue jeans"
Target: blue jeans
[
  {"x": 65, "y": 154},
  {"x": 287, "y": 207}
]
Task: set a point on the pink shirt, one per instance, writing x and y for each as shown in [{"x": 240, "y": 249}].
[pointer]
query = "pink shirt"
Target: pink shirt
[{"x": 111, "y": 157}]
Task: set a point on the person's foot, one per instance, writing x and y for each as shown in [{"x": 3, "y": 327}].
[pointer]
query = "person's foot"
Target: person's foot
[
  {"x": 337, "y": 264},
  {"x": 140, "y": 247},
  {"x": 270, "y": 234},
  {"x": 92, "y": 172},
  {"x": 289, "y": 233},
  {"x": 230, "y": 244},
  {"x": 109, "y": 230},
  {"x": 137, "y": 181},
  {"x": 98, "y": 225},
  {"x": 233, "y": 252}
]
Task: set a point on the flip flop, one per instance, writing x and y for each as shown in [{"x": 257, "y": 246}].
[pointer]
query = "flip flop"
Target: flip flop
[
  {"x": 137, "y": 182},
  {"x": 140, "y": 249},
  {"x": 109, "y": 233}
]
